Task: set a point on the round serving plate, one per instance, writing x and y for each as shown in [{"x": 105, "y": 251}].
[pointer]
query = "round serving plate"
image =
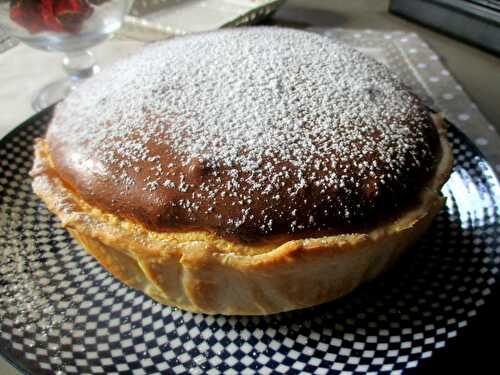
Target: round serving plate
[{"x": 60, "y": 312}]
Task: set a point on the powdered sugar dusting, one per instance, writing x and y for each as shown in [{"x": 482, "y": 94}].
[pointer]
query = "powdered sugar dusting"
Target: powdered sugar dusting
[{"x": 247, "y": 113}]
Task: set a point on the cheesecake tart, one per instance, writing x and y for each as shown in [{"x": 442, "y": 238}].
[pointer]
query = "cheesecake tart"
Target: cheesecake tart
[{"x": 245, "y": 171}]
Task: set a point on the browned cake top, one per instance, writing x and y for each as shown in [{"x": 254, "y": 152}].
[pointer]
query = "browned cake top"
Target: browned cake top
[{"x": 248, "y": 133}]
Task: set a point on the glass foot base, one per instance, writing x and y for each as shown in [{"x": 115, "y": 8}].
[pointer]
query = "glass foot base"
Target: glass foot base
[{"x": 52, "y": 93}]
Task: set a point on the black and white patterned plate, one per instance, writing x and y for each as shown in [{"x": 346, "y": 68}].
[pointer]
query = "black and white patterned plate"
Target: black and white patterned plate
[{"x": 60, "y": 312}]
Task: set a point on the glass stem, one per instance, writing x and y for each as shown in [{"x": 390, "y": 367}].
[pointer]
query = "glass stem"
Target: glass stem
[{"x": 80, "y": 65}]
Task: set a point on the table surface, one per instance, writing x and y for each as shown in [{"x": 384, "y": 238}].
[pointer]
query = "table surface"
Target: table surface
[{"x": 476, "y": 70}]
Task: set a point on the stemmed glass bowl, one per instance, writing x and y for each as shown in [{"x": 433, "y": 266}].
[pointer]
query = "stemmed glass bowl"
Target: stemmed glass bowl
[{"x": 67, "y": 26}]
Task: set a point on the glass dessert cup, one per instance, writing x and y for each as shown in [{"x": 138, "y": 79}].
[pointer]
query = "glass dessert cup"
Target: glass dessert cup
[{"x": 67, "y": 26}]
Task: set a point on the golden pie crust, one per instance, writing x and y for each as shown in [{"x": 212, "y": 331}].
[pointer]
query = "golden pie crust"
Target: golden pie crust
[{"x": 202, "y": 272}]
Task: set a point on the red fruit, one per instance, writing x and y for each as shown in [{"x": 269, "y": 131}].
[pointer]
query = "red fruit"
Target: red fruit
[
  {"x": 72, "y": 13},
  {"x": 49, "y": 19},
  {"x": 27, "y": 13},
  {"x": 50, "y": 15}
]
